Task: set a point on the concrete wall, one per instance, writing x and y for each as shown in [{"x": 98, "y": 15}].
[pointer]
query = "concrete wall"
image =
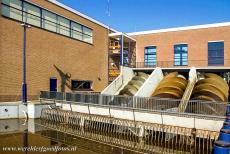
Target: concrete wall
[
  {"x": 153, "y": 117},
  {"x": 197, "y": 40},
  {"x": 46, "y": 49},
  {"x": 120, "y": 82},
  {"x": 149, "y": 86}
]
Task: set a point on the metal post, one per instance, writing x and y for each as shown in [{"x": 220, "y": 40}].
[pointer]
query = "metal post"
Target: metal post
[
  {"x": 121, "y": 50},
  {"x": 24, "y": 85},
  {"x": 129, "y": 56}
]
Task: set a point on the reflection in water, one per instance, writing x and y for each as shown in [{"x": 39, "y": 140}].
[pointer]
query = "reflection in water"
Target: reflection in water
[
  {"x": 93, "y": 139},
  {"x": 25, "y": 140}
]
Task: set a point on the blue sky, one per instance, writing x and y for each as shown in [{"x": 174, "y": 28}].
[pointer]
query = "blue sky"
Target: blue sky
[{"x": 139, "y": 15}]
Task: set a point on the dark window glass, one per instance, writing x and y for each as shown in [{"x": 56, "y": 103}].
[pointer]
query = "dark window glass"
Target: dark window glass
[
  {"x": 215, "y": 53},
  {"x": 181, "y": 55},
  {"x": 150, "y": 56},
  {"x": 125, "y": 57},
  {"x": 81, "y": 85}
]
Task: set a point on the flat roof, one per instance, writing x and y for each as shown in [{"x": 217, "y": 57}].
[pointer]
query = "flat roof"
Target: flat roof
[
  {"x": 180, "y": 28},
  {"x": 80, "y": 14},
  {"x": 119, "y": 34}
]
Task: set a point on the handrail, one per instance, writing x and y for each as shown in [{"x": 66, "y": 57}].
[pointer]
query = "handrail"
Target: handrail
[
  {"x": 197, "y": 63},
  {"x": 143, "y": 103}
]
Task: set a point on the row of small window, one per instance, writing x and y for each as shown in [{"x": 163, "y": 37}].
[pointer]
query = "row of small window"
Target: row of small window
[
  {"x": 39, "y": 17},
  {"x": 215, "y": 54}
]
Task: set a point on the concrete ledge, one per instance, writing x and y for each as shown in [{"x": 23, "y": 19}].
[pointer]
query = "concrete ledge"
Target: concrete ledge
[
  {"x": 10, "y": 110},
  {"x": 149, "y": 117}
]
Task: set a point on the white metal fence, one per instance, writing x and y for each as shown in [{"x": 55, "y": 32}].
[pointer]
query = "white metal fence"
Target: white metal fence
[{"x": 141, "y": 103}]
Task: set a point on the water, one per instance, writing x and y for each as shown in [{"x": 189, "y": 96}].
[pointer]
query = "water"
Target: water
[
  {"x": 42, "y": 136},
  {"x": 14, "y": 136}
]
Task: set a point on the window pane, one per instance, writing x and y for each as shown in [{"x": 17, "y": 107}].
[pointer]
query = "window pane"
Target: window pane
[
  {"x": 185, "y": 48},
  {"x": 87, "y": 35},
  {"x": 31, "y": 15},
  {"x": 181, "y": 54},
  {"x": 215, "y": 53},
  {"x": 76, "y": 31},
  {"x": 87, "y": 31},
  {"x": 87, "y": 38},
  {"x": 80, "y": 85},
  {"x": 15, "y": 11},
  {"x": 64, "y": 26},
  {"x": 150, "y": 56},
  {"x": 49, "y": 21}
]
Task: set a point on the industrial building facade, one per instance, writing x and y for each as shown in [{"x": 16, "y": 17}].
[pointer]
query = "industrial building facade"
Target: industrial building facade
[
  {"x": 69, "y": 51},
  {"x": 65, "y": 50},
  {"x": 200, "y": 46}
]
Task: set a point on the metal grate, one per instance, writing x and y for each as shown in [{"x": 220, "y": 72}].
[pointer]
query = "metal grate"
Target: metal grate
[{"x": 130, "y": 134}]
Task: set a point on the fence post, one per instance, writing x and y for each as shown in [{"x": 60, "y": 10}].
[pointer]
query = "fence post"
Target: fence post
[
  {"x": 70, "y": 106},
  {"x": 88, "y": 109}
]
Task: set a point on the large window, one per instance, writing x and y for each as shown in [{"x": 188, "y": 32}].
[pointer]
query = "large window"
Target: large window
[
  {"x": 216, "y": 53},
  {"x": 180, "y": 54},
  {"x": 81, "y": 85},
  {"x": 34, "y": 15},
  {"x": 150, "y": 56}
]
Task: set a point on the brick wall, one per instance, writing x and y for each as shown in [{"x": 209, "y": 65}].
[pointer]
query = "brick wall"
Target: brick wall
[
  {"x": 46, "y": 49},
  {"x": 197, "y": 40}
]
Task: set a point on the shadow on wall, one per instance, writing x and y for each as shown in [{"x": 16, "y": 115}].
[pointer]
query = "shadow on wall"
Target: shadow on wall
[{"x": 65, "y": 78}]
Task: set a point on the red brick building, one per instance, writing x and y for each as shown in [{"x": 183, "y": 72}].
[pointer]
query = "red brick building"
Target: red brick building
[
  {"x": 200, "y": 46},
  {"x": 66, "y": 50},
  {"x": 69, "y": 51}
]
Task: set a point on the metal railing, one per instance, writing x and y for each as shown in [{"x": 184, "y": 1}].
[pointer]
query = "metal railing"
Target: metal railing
[
  {"x": 52, "y": 95},
  {"x": 166, "y": 64},
  {"x": 138, "y": 103}
]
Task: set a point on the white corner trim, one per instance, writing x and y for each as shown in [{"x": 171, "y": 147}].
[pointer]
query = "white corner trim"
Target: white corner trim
[
  {"x": 120, "y": 33},
  {"x": 180, "y": 28},
  {"x": 80, "y": 14}
]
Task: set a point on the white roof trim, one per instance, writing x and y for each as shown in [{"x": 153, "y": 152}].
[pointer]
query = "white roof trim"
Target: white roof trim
[
  {"x": 80, "y": 14},
  {"x": 120, "y": 33},
  {"x": 180, "y": 43},
  {"x": 216, "y": 41},
  {"x": 180, "y": 28}
]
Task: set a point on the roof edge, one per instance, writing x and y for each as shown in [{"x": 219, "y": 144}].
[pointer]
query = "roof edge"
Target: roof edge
[
  {"x": 180, "y": 28},
  {"x": 80, "y": 14},
  {"x": 121, "y": 33}
]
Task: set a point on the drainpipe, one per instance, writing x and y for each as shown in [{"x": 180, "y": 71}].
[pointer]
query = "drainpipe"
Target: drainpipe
[{"x": 24, "y": 85}]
